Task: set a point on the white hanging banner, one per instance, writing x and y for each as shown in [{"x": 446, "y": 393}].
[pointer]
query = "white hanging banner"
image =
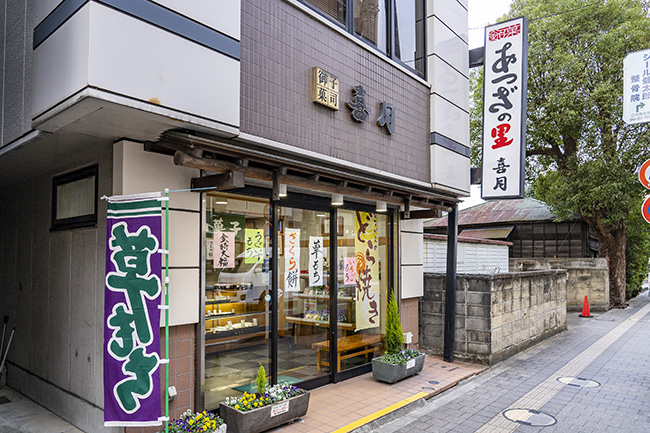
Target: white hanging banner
[
  {"x": 316, "y": 261},
  {"x": 292, "y": 260},
  {"x": 224, "y": 250},
  {"x": 504, "y": 109}
]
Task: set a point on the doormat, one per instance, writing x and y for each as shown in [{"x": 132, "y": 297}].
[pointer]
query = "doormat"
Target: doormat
[
  {"x": 252, "y": 387},
  {"x": 4, "y": 400}
]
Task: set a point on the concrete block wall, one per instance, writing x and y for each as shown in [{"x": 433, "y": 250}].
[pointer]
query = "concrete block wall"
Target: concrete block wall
[
  {"x": 496, "y": 315},
  {"x": 585, "y": 276},
  {"x": 526, "y": 308},
  {"x": 51, "y": 287}
]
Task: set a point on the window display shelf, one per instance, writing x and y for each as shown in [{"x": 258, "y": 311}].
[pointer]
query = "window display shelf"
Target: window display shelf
[
  {"x": 322, "y": 323},
  {"x": 220, "y": 301},
  {"x": 324, "y": 297},
  {"x": 213, "y": 335},
  {"x": 220, "y": 315}
]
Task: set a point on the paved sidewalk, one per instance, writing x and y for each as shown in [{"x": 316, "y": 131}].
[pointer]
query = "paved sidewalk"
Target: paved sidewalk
[
  {"x": 340, "y": 407},
  {"x": 344, "y": 406},
  {"x": 19, "y": 414},
  {"x": 592, "y": 378}
]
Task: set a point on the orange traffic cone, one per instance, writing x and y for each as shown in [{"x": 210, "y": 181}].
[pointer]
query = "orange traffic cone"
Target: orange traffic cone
[{"x": 585, "y": 308}]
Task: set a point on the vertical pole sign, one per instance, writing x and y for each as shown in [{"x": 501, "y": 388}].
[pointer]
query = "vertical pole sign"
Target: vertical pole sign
[
  {"x": 504, "y": 109},
  {"x": 131, "y": 311},
  {"x": 636, "y": 90}
]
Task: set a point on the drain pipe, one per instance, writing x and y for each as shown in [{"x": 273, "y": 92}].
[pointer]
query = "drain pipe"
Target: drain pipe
[
  {"x": 8, "y": 346},
  {"x": 450, "y": 286}
]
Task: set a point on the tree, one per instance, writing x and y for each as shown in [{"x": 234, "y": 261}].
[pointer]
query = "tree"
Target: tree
[{"x": 585, "y": 159}]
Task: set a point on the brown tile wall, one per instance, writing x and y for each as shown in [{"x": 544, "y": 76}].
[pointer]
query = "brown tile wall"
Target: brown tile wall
[
  {"x": 182, "y": 355},
  {"x": 410, "y": 319},
  {"x": 280, "y": 45}
]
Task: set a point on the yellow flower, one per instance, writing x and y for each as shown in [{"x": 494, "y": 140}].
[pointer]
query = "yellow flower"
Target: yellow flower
[
  {"x": 190, "y": 422},
  {"x": 205, "y": 427},
  {"x": 199, "y": 416},
  {"x": 237, "y": 407}
]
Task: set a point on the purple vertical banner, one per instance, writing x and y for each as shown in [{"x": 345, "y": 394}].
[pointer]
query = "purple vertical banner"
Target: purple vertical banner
[{"x": 131, "y": 314}]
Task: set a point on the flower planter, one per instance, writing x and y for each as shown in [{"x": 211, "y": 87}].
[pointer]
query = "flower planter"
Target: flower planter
[
  {"x": 222, "y": 428},
  {"x": 266, "y": 417},
  {"x": 391, "y": 373}
]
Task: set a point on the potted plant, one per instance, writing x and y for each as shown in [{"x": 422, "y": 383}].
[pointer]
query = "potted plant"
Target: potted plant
[
  {"x": 269, "y": 407},
  {"x": 396, "y": 363},
  {"x": 200, "y": 422}
]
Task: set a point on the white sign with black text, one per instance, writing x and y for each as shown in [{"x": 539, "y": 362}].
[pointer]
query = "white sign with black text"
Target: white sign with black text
[{"x": 504, "y": 109}]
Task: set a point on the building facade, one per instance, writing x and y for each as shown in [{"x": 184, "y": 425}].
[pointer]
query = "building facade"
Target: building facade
[
  {"x": 530, "y": 227},
  {"x": 313, "y": 126}
]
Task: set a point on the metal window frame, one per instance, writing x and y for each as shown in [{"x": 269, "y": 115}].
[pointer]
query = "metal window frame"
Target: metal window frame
[{"x": 88, "y": 220}]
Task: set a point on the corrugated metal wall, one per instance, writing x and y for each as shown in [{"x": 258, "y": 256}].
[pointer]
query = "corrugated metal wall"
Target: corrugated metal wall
[{"x": 473, "y": 258}]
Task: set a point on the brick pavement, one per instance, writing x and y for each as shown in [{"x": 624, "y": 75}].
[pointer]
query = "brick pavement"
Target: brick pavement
[{"x": 611, "y": 349}]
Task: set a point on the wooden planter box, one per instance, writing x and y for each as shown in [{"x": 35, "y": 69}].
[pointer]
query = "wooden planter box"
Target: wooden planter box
[
  {"x": 266, "y": 417},
  {"x": 391, "y": 373}
]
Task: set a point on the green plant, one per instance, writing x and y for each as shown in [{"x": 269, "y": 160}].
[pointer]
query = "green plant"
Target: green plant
[
  {"x": 204, "y": 422},
  {"x": 260, "y": 381},
  {"x": 394, "y": 337},
  {"x": 400, "y": 358},
  {"x": 274, "y": 394}
]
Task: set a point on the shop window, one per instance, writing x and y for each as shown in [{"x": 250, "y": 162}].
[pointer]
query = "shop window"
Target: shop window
[
  {"x": 74, "y": 199},
  {"x": 370, "y": 22},
  {"x": 409, "y": 33},
  {"x": 394, "y": 27},
  {"x": 334, "y": 9},
  {"x": 237, "y": 282}
]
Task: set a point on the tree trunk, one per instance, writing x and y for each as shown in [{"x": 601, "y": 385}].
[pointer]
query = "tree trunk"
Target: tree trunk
[{"x": 611, "y": 245}]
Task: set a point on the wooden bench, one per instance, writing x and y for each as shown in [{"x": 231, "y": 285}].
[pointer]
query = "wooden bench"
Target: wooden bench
[{"x": 346, "y": 347}]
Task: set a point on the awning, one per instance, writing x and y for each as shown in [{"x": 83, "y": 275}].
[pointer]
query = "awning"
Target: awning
[{"x": 488, "y": 233}]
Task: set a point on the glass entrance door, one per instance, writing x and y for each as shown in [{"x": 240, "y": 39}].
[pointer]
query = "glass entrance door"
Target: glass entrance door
[
  {"x": 362, "y": 260},
  {"x": 304, "y": 295}
]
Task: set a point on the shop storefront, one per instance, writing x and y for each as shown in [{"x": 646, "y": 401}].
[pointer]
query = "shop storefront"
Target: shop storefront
[{"x": 307, "y": 301}]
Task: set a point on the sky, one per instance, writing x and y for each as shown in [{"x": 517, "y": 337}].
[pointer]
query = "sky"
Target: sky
[{"x": 481, "y": 12}]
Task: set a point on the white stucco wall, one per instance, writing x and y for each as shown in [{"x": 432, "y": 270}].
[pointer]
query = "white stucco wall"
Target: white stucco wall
[{"x": 136, "y": 171}]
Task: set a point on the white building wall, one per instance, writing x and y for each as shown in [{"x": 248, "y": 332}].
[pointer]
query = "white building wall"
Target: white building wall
[
  {"x": 107, "y": 54},
  {"x": 448, "y": 73},
  {"x": 411, "y": 258},
  {"x": 136, "y": 171}
]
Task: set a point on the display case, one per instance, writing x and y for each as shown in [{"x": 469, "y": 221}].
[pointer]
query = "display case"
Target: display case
[
  {"x": 316, "y": 306},
  {"x": 232, "y": 313}
]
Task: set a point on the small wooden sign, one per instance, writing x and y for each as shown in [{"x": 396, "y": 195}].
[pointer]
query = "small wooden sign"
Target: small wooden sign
[{"x": 326, "y": 88}]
